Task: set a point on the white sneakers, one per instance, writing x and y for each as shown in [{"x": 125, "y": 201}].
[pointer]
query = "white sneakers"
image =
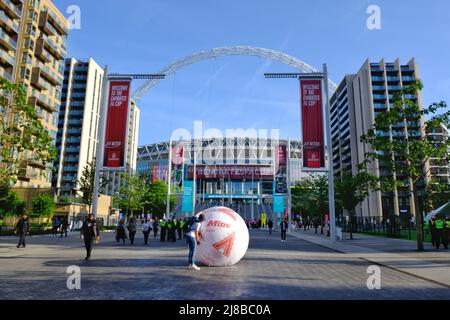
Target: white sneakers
[{"x": 193, "y": 266}]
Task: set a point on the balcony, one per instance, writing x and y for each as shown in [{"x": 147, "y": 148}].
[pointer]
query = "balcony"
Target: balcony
[
  {"x": 37, "y": 81},
  {"x": 58, "y": 23},
  {"x": 7, "y": 41},
  {"x": 51, "y": 76},
  {"x": 5, "y": 74},
  {"x": 44, "y": 24},
  {"x": 6, "y": 59},
  {"x": 7, "y": 23},
  {"x": 10, "y": 8},
  {"x": 52, "y": 47},
  {"x": 42, "y": 102},
  {"x": 41, "y": 52}
]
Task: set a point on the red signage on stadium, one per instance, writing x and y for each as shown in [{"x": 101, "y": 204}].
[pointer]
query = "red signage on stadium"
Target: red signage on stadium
[
  {"x": 312, "y": 120},
  {"x": 232, "y": 172},
  {"x": 119, "y": 98}
]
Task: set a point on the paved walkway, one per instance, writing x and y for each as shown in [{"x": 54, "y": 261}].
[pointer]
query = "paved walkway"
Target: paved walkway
[
  {"x": 401, "y": 255},
  {"x": 271, "y": 270}
]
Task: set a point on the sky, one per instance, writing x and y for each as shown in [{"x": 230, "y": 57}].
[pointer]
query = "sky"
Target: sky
[{"x": 144, "y": 36}]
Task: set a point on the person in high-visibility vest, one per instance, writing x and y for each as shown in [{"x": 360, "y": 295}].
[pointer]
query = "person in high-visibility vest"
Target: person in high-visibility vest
[
  {"x": 441, "y": 233},
  {"x": 447, "y": 229},
  {"x": 180, "y": 228},
  {"x": 163, "y": 230},
  {"x": 433, "y": 231},
  {"x": 174, "y": 230}
]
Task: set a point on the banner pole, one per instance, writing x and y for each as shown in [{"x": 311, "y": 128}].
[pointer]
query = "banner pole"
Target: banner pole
[
  {"x": 288, "y": 169},
  {"x": 333, "y": 233},
  {"x": 169, "y": 180},
  {"x": 101, "y": 141}
]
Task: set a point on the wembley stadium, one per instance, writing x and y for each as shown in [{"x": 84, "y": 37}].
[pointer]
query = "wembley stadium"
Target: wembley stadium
[{"x": 245, "y": 174}]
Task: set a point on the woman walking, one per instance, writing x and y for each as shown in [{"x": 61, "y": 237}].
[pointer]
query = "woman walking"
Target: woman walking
[
  {"x": 22, "y": 230},
  {"x": 155, "y": 227},
  {"x": 121, "y": 233},
  {"x": 132, "y": 230},
  {"x": 89, "y": 232}
]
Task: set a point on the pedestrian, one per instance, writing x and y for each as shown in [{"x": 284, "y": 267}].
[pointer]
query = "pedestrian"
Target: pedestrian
[
  {"x": 146, "y": 230},
  {"x": 316, "y": 226},
  {"x": 433, "y": 231},
  {"x": 121, "y": 233},
  {"x": 174, "y": 230},
  {"x": 55, "y": 224},
  {"x": 132, "y": 230},
  {"x": 155, "y": 227},
  {"x": 447, "y": 225},
  {"x": 270, "y": 225},
  {"x": 89, "y": 233},
  {"x": 284, "y": 226},
  {"x": 163, "y": 230},
  {"x": 64, "y": 226},
  {"x": 1, "y": 224},
  {"x": 22, "y": 230},
  {"x": 180, "y": 228},
  {"x": 442, "y": 238},
  {"x": 193, "y": 237}
]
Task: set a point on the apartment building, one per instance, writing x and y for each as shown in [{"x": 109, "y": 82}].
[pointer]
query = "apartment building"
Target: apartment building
[
  {"x": 354, "y": 106},
  {"x": 42, "y": 49},
  {"x": 77, "y": 137}
]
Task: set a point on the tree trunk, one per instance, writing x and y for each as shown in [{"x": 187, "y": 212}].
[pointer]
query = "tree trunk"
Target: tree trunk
[
  {"x": 351, "y": 224},
  {"x": 419, "y": 221}
]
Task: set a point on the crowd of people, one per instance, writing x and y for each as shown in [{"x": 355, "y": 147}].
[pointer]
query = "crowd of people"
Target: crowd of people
[{"x": 440, "y": 231}]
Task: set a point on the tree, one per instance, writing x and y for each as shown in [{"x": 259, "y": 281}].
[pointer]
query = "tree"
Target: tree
[
  {"x": 10, "y": 203},
  {"x": 131, "y": 196},
  {"x": 350, "y": 191},
  {"x": 155, "y": 198},
  {"x": 407, "y": 153},
  {"x": 87, "y": 183},
  {"x": 23, "y": 138},
  {"x": 311, "y": 197},
  {"x": 42, "y": 206}
]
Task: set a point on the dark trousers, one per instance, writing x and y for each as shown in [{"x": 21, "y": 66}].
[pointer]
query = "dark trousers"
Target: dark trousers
[
  {"x": 173, "y": 235},
  {"x": 179, "y": 233},
  {"x": 88, "y": 242},
  {"x": 146, "y": 234},
  {"x": 132, "y": 235},
  {"x": 55, "y": 231},
  {"x": 270, "y": 230},
  {"x": 442, "y": 238},
  {"x": 155, "y": 232},
  {"x": 163, "y": 234},
  {"x": 283, "y": 234},
  {"x": 64, "y": 231},
  {"x": 22, "y": 238}
]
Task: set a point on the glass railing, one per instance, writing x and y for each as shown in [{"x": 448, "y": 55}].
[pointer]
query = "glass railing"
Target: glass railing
[
  {"x": 7, "y": 57},
  {"x": 5, "y": 74},
  {"x": 8, "y": 39},
  {"x": 13, "y": 7},
  {"x": 13, "y": 24}
]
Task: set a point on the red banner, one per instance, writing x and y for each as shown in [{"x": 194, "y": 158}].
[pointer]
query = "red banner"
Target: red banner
[
  {"x": 312, "y": 118},
  {"x": 116, "y": 127},
  {"x": 231, "y": 172}
]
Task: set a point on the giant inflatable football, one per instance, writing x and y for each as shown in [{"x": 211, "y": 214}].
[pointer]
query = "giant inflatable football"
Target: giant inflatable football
[{"x": 225, "y": 238}]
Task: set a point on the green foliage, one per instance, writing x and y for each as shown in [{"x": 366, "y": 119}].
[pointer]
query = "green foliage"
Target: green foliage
[
  {"x": 351, "y": 189},
  {"x": 21, "y": 131},
  {"x": 131, "y": 194},
  {"x": 155, "y": 198},
  {"x": 311, "y": 197},
  {"x": 10, "y": 203},
  {"x": 42, "y": 206},
  {"x": 408, "y": 153},
  {"x": 87, "y": 183}
]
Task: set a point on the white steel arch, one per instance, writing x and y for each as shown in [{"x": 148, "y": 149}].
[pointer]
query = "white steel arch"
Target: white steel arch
[{"x": 230, "y": 51}]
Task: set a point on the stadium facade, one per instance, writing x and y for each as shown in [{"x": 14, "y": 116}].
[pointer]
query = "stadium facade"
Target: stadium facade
[{"x": 236, "y": 172}]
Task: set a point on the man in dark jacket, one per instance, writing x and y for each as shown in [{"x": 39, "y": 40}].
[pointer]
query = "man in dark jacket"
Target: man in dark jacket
[
  {"x": 284, "y": 226},
  {"x": 89, "y": 232},
  {"x": 22, "y": 230}
]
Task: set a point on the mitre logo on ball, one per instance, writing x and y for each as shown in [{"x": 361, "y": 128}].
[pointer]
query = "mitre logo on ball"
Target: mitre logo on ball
[{"x": 225, "y": 238}]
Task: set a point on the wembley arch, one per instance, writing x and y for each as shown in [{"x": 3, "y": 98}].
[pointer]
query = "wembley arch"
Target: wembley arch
[{"x": 291, "y": 61}]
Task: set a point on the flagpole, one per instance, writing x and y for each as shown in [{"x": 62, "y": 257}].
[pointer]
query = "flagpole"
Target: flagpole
[
  {"x": 288, "y": 169},
  {"x": 169, "y": 180}
]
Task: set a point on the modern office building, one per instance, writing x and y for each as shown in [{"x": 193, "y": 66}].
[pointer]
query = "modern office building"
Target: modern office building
[
  {"x": 231, "y": 172},
  {"x": 11, "y": 17},
  {"x": 354, "y": 107},
  {"x": 439, "y": 169},
  {"x": 77, "y": 137},
  {"x": 113, "y": 177},
  {"x": 40, "y": 66}
]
